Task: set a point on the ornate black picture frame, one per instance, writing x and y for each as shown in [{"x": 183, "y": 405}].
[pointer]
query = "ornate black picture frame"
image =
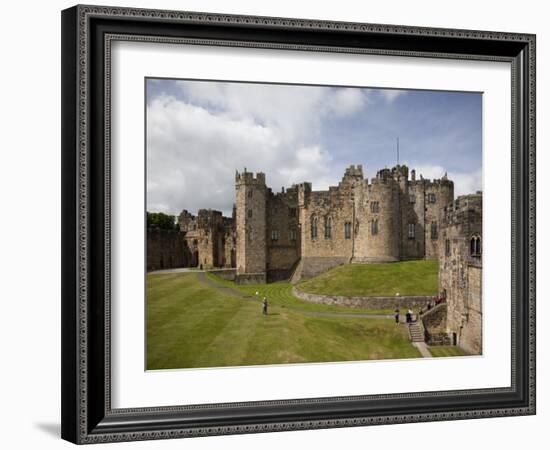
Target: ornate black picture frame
[{"x": 87, "y": 34}]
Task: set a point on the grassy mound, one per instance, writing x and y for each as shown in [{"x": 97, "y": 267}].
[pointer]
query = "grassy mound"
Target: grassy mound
[
  {"x": 376, "y": 280},
  {"x": 280, "y": 294}
]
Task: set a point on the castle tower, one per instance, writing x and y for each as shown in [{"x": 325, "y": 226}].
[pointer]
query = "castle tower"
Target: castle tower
[
  {"x": 250, "y": 227},
  {"x": 439, "y": 194},
  {"x": 383, "y": 210}
]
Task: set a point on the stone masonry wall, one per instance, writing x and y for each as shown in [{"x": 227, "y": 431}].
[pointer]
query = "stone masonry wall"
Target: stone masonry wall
[
  {"x": 460, "y": 271},
  {"x": 365, "y": 302},
  {"x": 283, "y": 236},
  {"x": 356, "y": 221},
  {"x": 251, "y": 227},
  {"x": 166, "y": 249}
]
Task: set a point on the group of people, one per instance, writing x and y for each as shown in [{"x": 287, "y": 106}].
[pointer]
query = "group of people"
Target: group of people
[{"x": 408, "y": 315}]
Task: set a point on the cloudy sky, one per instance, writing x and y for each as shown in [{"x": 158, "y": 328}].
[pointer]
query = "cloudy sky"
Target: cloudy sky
[{"x": 200, "y": 132}]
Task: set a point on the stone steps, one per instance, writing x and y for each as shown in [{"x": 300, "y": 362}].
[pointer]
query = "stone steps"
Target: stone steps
[{"x": 416, "y": 332}]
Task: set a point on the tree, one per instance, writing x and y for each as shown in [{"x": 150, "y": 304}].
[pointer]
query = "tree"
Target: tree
[{"x": 161, "y": 220}]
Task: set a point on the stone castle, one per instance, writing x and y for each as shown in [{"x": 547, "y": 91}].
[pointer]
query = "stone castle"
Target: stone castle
[
  {"x": 298, "y": 233},
  {"x": 302, "y": 232}
]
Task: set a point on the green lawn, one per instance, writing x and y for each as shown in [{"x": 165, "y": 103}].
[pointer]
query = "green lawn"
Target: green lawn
[
  {"x": 363, "y": 280},
  {"x": 191, "y": 324},
  {"x": 446, "y": 350}
]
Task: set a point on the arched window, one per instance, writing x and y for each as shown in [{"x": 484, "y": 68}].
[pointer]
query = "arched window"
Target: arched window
[
  {"x": 313, "y": 227},
  {"x": 328, "y": 227},
  {"x": 475, "y": 245}
]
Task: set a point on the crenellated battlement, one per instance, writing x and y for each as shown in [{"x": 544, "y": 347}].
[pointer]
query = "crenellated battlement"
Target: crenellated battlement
[
  {"x": 246, "y": 177},
  {"x": 471, "y": 203}
]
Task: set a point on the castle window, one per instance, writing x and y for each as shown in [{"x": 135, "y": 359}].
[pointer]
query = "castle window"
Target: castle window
[
  {"x": 249, "y": 213},
  {"x": 475, "y": 245},
  {"x": 431, "y": 198},
  {"x": 292, "y": 235},
  {"x": 292, "y": 212},
  {"x": 412, "y": 231},
  {"x": 374, "y": 227},
  {"x": 328, "y": 227},
  {"x": 374, "y": 207},
  {"x": 347, "y": 230},
  {"x": 412, "y": 198},
  {"x": 250, "y": 194},
  {"x": 447, "y": 247},
  {"x": 274, "y": 235},
  {"x": 434, "y": 230},
  {"x": 313, "y": 227}
]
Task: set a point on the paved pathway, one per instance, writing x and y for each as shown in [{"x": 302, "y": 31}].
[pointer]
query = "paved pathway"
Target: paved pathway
[
  {"x": 423, "y": 349},
  {"x": 202, "y": 276}
]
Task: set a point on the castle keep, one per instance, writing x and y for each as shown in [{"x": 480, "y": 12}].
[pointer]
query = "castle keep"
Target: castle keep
[{"x": 302, "y": 232}]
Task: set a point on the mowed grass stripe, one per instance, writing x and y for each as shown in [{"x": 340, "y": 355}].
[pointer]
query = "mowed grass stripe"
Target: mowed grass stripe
[{"x": 180, "y": 319}]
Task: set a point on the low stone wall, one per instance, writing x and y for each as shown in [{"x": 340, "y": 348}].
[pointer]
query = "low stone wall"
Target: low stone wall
[
  {"x": 438, "y": 338},
  {"x": 251, "y": 278},
  {"x": 365, "y": 302},
  {"x": 226, "y": 274}
]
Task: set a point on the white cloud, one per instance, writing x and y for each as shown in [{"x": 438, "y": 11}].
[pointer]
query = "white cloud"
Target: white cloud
[
  {"x": 195, "y": 146},
  {"x": 347, "y": 101},
  {"x": 391, "y": 94}
]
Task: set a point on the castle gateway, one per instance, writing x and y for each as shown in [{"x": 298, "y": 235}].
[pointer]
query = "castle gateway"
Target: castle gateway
[{"x": 300, "y": 232}]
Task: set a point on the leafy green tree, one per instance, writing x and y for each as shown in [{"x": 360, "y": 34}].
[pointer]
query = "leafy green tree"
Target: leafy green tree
[{"x": 161, "y": 220}]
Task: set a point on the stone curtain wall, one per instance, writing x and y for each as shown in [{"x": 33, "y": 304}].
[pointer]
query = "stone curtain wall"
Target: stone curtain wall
[
  {"x": 283, "y": 232},
  {"x": 166, "y": 249}
]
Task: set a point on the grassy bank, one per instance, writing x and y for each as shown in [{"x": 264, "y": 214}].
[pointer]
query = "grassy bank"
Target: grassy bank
[{"x": 373, "y": 280}]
